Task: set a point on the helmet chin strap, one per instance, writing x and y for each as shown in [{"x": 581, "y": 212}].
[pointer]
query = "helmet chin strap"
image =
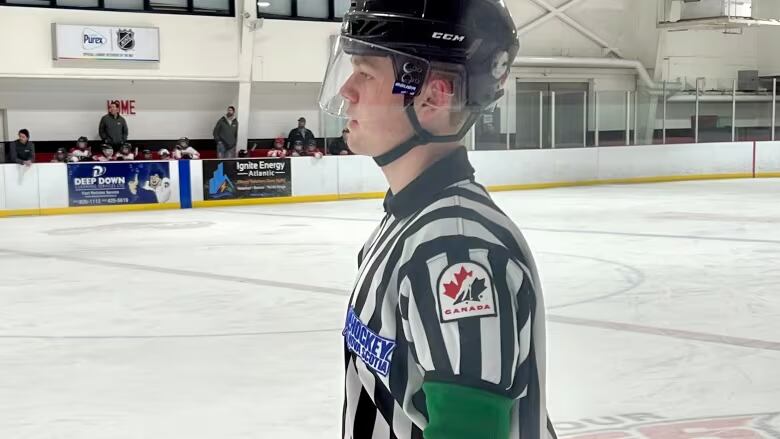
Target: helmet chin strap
[{"x": 421, "y": 136}]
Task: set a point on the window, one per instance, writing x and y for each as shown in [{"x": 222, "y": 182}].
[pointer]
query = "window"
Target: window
[
  {"x": 275, "y": 7},
  {"x": 78, "y": 3},
  {"x": 169, "y": 4},
  {"x": 132, "y": 5},
  {"x": 29, "y": 2},
  {"x": 194, "y": 7},
  {"x": 314, "y": 10},
  {"x": 341, "y": 7},
  {"x": 212, "y": 5}
]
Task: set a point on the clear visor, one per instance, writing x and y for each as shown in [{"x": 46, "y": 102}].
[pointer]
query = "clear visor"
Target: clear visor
[{"x": 372, "y": 75}]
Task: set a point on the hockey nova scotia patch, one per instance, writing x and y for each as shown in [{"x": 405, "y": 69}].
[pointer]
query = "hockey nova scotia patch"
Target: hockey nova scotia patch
[
  {"x": 375, "y": 351},
  {"x": 466, "y": 290}
]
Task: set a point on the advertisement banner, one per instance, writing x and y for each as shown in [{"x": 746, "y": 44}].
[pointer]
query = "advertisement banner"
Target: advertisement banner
[
  {"x": 116, "y": 183},
  {"x": 246, "y": 178},
  {"x": 106, "y": 42}
]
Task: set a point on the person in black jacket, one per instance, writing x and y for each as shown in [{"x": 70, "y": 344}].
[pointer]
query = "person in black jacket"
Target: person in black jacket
[
  {"x": 113, "y": 127},
  {"x": 302, "y": 134},
  {"x": 226, "y": 134},
  {"x": 339, "y": 146},
  {"x": 22, "y": 150}
]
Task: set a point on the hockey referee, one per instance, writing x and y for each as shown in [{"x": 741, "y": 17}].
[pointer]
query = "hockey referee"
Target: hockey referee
[{"x": 444, "y": 336}]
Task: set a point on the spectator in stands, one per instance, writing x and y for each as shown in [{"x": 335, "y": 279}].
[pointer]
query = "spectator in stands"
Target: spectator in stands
[
  {"x": 176, "y": 153},
  {"x": 82, "y": 152},
  {"x": 312, "y": 150},
  {"x": 106, "y": 155},
  {"x": 339, "y": 146},
  {"x": 164, "y": 154},
  {"x": 242, "y": 153},
  {"x": 61, "y": 156},
  {"x": 278, "y": 150},
  {"x": 125, "y": 152},
  {"x": 113, "y": 127},
  {"x": 22, "y": 150},
  {"x": 147, "y": 155},
  {"x": 302, "y": 134},
  {"x": 183, "y": 150},
  {"x": 297, "y": 149},
  {"x": 226, "y": 134}
]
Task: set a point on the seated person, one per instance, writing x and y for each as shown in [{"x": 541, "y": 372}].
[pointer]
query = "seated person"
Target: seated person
[
  {"x": 297, "y": 149},
  {"x": 82, "y": 152},
  {"x": 183, "y": 150},
  {"x": 312, "y": 150},
  {"x": 278, "y": 150},
  {"x": 147, "y": 155},
  {"x": 125, "y": 152},
  {"x": 242, "y": 153},
  {"x": 339, "y": 146},
  {"x": 107, "y": 154},
  {"x": 164, "y": 154},
  {"x": 61, "y": 156}
]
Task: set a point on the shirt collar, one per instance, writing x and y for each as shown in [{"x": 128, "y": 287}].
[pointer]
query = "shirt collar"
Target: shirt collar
[{"x": 422, "y": 190}]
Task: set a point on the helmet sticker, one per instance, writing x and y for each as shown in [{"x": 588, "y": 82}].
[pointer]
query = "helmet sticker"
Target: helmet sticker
[{"x": 409, "y": 76}]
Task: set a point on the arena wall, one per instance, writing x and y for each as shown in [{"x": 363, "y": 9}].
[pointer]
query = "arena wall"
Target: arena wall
[{"x": 43, "y": 189}]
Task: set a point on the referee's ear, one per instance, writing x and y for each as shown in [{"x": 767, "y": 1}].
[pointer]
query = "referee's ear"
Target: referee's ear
[{"x": 434, "y": 104}]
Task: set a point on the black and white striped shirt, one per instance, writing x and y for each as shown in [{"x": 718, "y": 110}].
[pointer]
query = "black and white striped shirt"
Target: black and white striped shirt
[{"x": 447, "y": 291}]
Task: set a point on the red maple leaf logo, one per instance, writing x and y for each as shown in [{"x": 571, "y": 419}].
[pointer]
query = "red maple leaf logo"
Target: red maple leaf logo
[{"x": 451, "y": 289}]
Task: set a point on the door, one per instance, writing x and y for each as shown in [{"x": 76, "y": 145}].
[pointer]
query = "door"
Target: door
[
  {"x": 535, "y": 118},
  {"x": 3, "y": 139}
]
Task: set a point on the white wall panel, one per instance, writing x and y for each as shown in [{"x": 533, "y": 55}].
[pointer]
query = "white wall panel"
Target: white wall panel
[
  {"x": 2, "y": 186},
  {"x": 359, "y": 174},
  {"x": 53, "y": 184},
  {"x": 196, "y": 179},
  {"x": 767, "y": 157},
  {"x": 21, "y": 187},
  {"x": 534, "y": 166},
  {"x": 174, "y": 173},
  {"x": 292, "y": 51},
  {"x": 62, "y": 109},
  {"x": 190, "y": 46},
  {"x": 312, "y": 176},
  {"x": 668, "y": 160}
]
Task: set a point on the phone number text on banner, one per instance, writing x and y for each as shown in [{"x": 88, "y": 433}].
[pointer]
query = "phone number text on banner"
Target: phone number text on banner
[
  {"x": 246, "y": 178},
  {"x": 103, "y": 184}
]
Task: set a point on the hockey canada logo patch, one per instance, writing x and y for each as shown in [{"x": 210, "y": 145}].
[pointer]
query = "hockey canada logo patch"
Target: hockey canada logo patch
[
  {"x": 466, "y": 290},
  {"x": 374, "y": 350}
]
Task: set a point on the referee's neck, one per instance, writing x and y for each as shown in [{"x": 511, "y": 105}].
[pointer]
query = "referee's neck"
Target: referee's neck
[{"x": 412, "y": 164}]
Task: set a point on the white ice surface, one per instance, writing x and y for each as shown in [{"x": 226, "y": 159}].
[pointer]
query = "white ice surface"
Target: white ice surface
[{"x": 663, "y": 299}]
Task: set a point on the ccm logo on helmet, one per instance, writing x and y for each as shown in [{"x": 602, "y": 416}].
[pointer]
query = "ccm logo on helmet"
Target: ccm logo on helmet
[{"x": 447, "y": 37}]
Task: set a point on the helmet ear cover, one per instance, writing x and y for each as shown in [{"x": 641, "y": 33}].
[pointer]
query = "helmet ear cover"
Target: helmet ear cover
[{"x": 410, "y": 72}]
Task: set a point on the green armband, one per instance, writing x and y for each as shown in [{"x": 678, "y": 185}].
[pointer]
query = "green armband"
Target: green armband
[{"x": 458, "y": 412}]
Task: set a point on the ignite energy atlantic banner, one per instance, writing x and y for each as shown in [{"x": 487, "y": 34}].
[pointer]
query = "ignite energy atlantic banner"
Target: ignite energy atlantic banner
[
  {"x": 117, "y": 183},
  {"x": 246, "y": 178}
]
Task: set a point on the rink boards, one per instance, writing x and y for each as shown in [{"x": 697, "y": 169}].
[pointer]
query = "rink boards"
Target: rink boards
[{"x": 43, "y": 188}]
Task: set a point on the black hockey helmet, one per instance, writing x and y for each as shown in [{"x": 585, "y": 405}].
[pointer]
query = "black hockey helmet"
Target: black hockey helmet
[{"x": 473, "y": 39}]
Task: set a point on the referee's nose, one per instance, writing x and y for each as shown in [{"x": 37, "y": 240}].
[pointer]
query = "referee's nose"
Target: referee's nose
[{"x": 348, "y": 91}]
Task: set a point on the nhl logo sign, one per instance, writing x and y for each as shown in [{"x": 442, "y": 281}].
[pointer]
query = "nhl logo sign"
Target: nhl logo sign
[
  {"x": 466, "y": 290},
  {"x": 125, "y": 39}
]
